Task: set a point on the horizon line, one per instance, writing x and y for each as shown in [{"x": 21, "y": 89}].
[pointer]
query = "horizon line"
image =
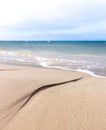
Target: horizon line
[{"x": 52, "y": 40}]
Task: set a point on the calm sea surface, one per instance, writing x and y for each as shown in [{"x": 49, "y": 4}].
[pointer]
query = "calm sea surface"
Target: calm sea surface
[{"x": 81, "y": 56}]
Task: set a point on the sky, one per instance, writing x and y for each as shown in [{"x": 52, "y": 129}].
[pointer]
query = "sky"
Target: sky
[{"x": 53, "y": 20}]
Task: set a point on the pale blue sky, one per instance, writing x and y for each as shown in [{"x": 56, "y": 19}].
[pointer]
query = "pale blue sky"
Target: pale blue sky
[{"x": 53, "y": 20}]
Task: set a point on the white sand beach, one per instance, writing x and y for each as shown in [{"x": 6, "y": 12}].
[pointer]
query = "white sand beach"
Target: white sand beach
[{"x": 74, "y": 105}]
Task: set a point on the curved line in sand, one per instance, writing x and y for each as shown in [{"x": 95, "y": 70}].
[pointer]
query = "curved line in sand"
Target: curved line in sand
[
  {"x": 30, "y": 95},
  {"x": 46, "y": 87}
]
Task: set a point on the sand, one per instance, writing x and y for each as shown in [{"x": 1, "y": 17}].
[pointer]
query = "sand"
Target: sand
[{"x": 33, "y": 98}]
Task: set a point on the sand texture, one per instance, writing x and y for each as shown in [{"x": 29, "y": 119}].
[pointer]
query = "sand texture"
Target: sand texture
[{"x": 49, "y": 99}]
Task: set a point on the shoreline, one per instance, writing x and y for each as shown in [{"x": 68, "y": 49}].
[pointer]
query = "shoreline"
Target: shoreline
[
  {"x": 55, "y": 67},
  {"x": 89, "y": 56},
  {"x": 76, "y": 70}
]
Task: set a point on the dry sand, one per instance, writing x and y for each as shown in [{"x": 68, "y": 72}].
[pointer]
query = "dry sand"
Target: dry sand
[{"x": 75, "y": 105}]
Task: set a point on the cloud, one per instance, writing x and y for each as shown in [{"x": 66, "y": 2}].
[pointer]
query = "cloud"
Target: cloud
[{"x": 57, "y": 19}]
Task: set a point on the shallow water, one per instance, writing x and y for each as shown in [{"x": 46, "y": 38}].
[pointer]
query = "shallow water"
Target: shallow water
[{"x": 89, "y": 56}]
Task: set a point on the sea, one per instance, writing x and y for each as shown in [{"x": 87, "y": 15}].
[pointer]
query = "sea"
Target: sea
[{"x": 85, "y": 56}]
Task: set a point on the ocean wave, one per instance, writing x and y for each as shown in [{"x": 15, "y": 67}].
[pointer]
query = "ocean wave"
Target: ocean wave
[{"x": 89, "y": 64}]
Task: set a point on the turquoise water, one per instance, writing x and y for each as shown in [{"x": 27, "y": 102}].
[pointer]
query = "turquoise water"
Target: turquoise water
[{"x": 84, "y": 56}]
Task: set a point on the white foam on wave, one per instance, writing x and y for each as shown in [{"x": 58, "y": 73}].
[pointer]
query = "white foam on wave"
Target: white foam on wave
[
  {"x": 78, "y": 70},
  {"x": 50, "y": 62},
  {"x": 90, "y": 72}
]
